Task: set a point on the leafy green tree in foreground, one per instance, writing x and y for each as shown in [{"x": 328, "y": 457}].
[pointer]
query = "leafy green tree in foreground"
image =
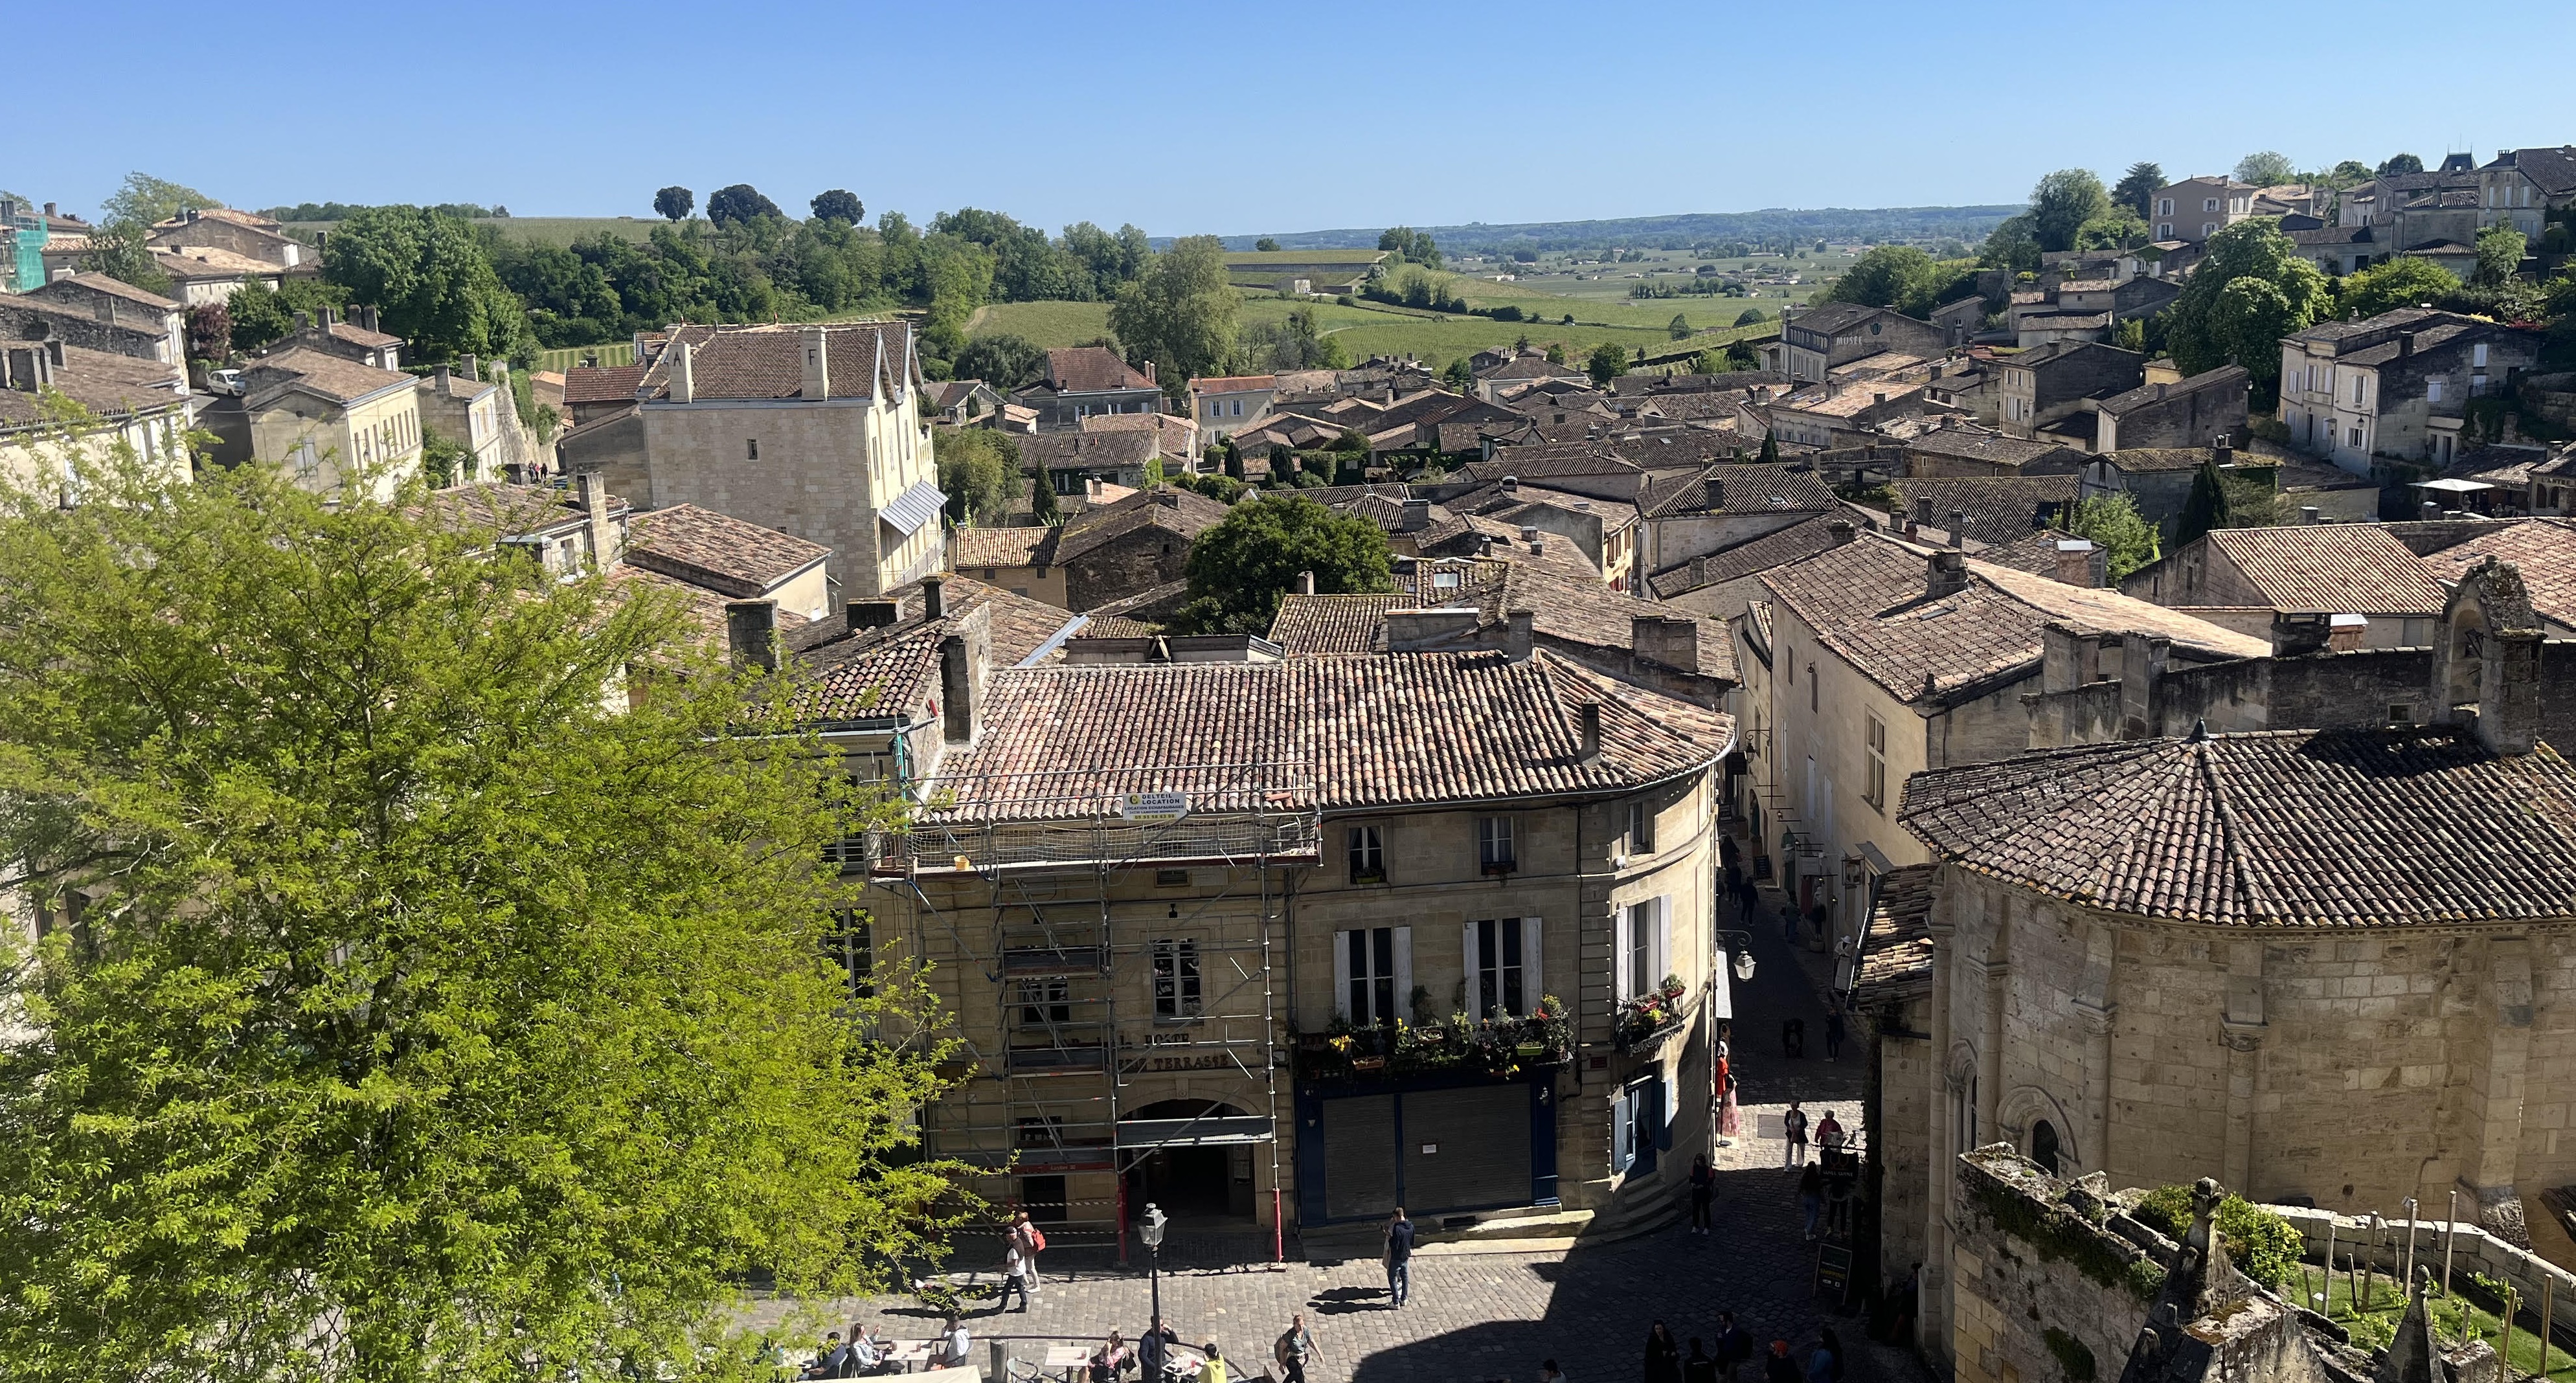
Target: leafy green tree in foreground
[
  {"x": 1180, "y": 311},
  {"x": 2127, "y": 540},
  {"x": 2251, "y": 289},
  {"x": 418, "y": 1017},
  {"x": 1606, "y": 363},
  {"x": 979, "y": 469},
  {"x": 2403, "y": 281},
  {"x": 1239, "y": 570}
]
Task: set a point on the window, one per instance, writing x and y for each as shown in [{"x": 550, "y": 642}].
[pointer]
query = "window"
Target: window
[
  {"x": 2433, "y": 390},
  {"x": 1811, "y": 686},
  {"x": 2164, "y": 206},
  {"x": 1875, "y": 788},
  {"x": 2401, "y": 712},
  {"x": 1238, "y": 408},
  {"x": 2164, "y": 229},
  {"x": 2208, "y": 227},
  {"x": 1639, "y": 1125},
  {"x": 1501, "y": 966},
  {"x": 1642, "y": 943},
  {"x": 2209, "y": 204},
  {"x": 852, "y": 945},
  {"x": 1372, "y": 974},
  {"x": 1367, "y": 854},
  {"x": 2356, "y": 388},
  {"x": 2478, "y": 355},
  {"x": 1494, "y": 845},
  {"x": 1176, "y": 979},
  {"x": 1641, "y": 828},
  {"x": 750, "y": 448},
  {"x": 2352, "y": 437},
  {"x": 2043, "y": 1146},
  {"x": 1046, "y": 1002}
]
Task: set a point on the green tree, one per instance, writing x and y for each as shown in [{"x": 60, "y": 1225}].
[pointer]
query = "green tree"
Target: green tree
[
  {"x": 2403, "y": 281},
  {"x": 674, "y": 203},
  {"x": 261, "y": 314},
  {"x": 2112, "y": 521},
  {"x": 1004, "y": 360},
  {"x": 1752, "y": 317},
  {"x": 444, "y": 460},
  {"x": 1239, "y": 570},
  {"x": 2348, "y": 173},
  {"x": 210, "y": 331},
  {"x": 145, "y": 199},
  {"x": 1180, "y": 311},
  {"x": 2116, "y": 229},
  {"x": 2208, "y": 505},
  {"x": 2061, "y": 204},
  {"x": 741, "y": 202},
  {"x": 1555, "y": 352},
  {"x": 1606, "y": 363},
  {"x": 2014, "y": 245},
  {"x": 423, "y": 1017},
  {"x": 2216, "y": 321},
  {"x": 1679, "y": 327},
  {"x": 1711, "y": 361},
  {"x": 1266, "y": 245},
  {"x": 1770, "y": 453},
  {"x": 2130, "y": 335},
  {"x": 1042, "y": 501},
  {"x": 2499, "y": 255},
  {"x": 2137, "y": 188},
  {"x": 1461, "y": 374},
  {"x": 979, "y": 469},
  {"x": 121, "y": 248},
  {"x": 1412, "y": 245},
  {"x": 2400, "y": 163},
  {"x": 839, "y": 204},
  {"x": 2266, "y": 169},
  {"x": 428, "y": 275}
]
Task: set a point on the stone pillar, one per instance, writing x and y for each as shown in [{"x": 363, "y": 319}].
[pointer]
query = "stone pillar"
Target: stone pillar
[
  {"x": 1932, "y": 1321},
  {"x": 2495, "y": 1160},
  {"x": 2241, "y": 1031},
  {"x": 2095, "y": 1008},
  {"x": 1990, "y": 1042}
]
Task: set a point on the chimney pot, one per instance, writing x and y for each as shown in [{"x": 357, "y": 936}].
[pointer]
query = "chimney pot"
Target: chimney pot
[
  {"x": 1923, "y": 509},
  {"x": 2429, "y": 510},
  {"x": 683, "y": 376},
  {"x": 439, "y": 377},
  {"x": 2075, "y": 566},
  {"x": 1841, "y": 529},
  {"x": 1716, "y": 492},
  {"x": 1946, "y": 574},
  {"x": 751, "y": 631},
  {"x": 934, "y": 597},
  {"x": 1519, "y": 634},
  {"x": 2297, "y": 633},
  {"x": 1417, "y": 514},
  {"x": 2308, "y": 513},
  {"x": 1587, "y": 722},
  {"x": 1305, "y": 583},
  {"x": 1958, "y": 528},
  {"x": 818, "y": 364}
]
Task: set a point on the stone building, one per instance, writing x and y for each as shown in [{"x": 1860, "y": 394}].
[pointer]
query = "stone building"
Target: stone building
[
  {"x": 1084, "y": 380},
  {"x": 2041, "y": 386},
  {"x": 1102, "y": 555},
  {"x": 1178, "y": 908},
  {"x": 1814, "y": 342},
  {"x": 2204, "y": 410},
  {"x": 2271, "y": 957},
  {"x": 2325, "y": 569},
  {"x": 2396, "y": 386},
  {"x": 99, "y": 313},
  {"x": 141, "y": 404},
  {"x": 327, "y": 419}
]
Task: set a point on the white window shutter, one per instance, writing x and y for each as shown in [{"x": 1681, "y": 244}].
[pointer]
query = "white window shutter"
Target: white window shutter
[
  {"x": 1472, "y": 964},
  {"x": 1533, "y": 978},
  {"x": 1621, "y": 1129},
  {"x": 1672, "y": 1107},
  {"x": 1403, "y": 974},
  {"x": 1622, "y": 924},
  {"x": 1342, "y": 976},
  {"x": 1660, "y": 960}
]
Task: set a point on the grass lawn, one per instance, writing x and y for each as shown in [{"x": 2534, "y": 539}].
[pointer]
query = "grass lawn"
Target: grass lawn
[{"x": 2374, "y": 1322}]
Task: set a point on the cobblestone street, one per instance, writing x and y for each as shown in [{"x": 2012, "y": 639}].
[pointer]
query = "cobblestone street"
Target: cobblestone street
[{"x": 1485, "y": 1316}]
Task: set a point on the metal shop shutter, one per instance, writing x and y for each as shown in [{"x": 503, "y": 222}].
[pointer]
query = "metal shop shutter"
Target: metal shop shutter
[
  {"x": 1359, "y": 1156},
  {"x": 1481, "y": 1140}
]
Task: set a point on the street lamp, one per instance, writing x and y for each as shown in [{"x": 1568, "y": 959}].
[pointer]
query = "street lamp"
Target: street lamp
[
  {"x": 1152, "y": 1233},
  {"x": 1741, "y": 944}
]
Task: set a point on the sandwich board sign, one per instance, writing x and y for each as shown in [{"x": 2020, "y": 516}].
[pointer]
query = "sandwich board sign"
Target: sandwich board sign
[{"x": 1156, "y": 808}]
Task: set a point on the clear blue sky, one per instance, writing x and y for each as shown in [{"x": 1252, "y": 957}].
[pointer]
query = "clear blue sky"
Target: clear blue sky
[{"x": 1237, "y": 120}]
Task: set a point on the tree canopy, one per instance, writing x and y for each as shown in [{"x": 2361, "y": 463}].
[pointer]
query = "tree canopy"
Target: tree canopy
[
  {"x": 2266, "y": 168},
  {"x": 2206, "y": 507},
  {"x": 144, "y": 199},
  {"x": 1179, "y": 313},
  {"x": 2400, "y": 163},
  {"x": 2061, "y": 204},
  {"x": 1607, "y": 362},
  {"x": 739, "y": 203},
  {"x": 2112, "y": 521},
  {"x": 402, "y": 1011},
  {"x": 1240, "y": 569},
  {"x": 1412, "y": 244},
  {"x": 427, "y": 274},
  {"x": 674, "y": 203},
  {"x": 2403, "y": 281},
  {"x": 979, "y": 470},
  {"x": 1004, "y": 360},
  {"x": 2500, "y": 250},
  {"x": 1266, "y": 245},
  {"x": 2251, "y": 289},
  {"x": 2137, "y": 188},
  {"x": 1897, "y": 276},
  {"x": 121, "y": 248},
  {"x": 839, "y": 204}
]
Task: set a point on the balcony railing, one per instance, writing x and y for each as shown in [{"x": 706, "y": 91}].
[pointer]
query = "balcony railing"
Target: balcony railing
[{"x": 1492, "y": 1046}]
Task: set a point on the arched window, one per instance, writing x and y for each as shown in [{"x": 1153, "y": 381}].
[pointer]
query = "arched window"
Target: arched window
[{"x": 2043, "y": 1146}]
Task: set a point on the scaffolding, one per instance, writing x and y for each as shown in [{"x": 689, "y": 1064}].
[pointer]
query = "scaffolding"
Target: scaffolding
[{"x": 1099, "y": 931}]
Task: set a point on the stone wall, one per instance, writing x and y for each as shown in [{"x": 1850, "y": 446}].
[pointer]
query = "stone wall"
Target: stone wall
[
  {"x": 1131, "y": 563},
  {"x": 2040, "y": 1288}
]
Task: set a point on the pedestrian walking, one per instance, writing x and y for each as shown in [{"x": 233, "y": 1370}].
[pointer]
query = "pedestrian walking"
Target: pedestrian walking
[
  {"x": 1811, "y": 1196},
  {"x": 1834, "y": 1031},
  {"x": 1832, "y": 1345},
  {"x": 1032, "y": 1243},
  {"x": 1779, "y": 1367},
  {"x": 1829, "y": 1137},
  {"x": 1663, "y": 1355},
  {"x": 1399, "y": 1258},
  {"x": 1793, "y": 1126},
  {"x": 1734, "y": 1346},
  {"x": 1296, "y": 1344},
  {"x": 1820, "y": 1364},
  {"x": 1703, "y": 1193},
  {"x": 1789, "y": 923},
  {"x": 1015, "y": 1272},
  {"x": 1699, "y": 1367},
  {"x": 1734, "y": 880}
]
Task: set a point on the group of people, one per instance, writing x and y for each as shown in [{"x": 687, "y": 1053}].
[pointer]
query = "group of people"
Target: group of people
[{"x": 1724, "y": 1361}]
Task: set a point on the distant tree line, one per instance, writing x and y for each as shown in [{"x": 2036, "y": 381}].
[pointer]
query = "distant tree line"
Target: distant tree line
[{"x": 342, "y": 211}]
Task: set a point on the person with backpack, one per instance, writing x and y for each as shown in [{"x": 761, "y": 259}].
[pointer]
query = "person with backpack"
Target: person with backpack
[{"x": 1294, "y": 1346}]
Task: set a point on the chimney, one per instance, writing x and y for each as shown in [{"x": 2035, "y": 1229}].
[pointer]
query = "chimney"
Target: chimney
[
  {"x": 2296, "y": 633},
  {"x": 1511, "y": 484},
  {"x": 2076, "y": 562},
  {"x": 2405, "y": 344},
  {"x": 1958, "y": 528},
  {"x": 1587, "y": 725},
  {"x": 471, "y": 369},
  {"x": 818, "y": 364},
  {"x": 438, "y": 377},
  {"x": 1923, "y": 509},
  {"x": 367, "y": 318},
  {"x": 49, "y": 208},
  {"x": 1666, "y": 640},
  {"x": 592, "y": 486},
  {"x": 874, "y": 614},
  {"x": 1519, "y": 634},
  {"x": 1716, "y": 493},
  {"x": 1149, "y": 372},
  {"x": 1841, "y": 529},
  {"x": 684, "y": 384},
  {"x": 2142, "y": 675},
  {"x": 751, "y": 632},
  {"x": 2428, "y": 510},
  {"x": 1946, "y": 573},
  {"x": 2309, "y": 513},
  {"x": 962, "y": 657},
  {"x": 303, "y": 322},
  {"x": 934, "y": 597},
  {"x": 323, "y": 317},
  {"x": 1417, "y": 515},
  {"x": 2346, "y": 632},
  {"x": 1529, "y": 535},
  {"x": 2221, "y": 451}
]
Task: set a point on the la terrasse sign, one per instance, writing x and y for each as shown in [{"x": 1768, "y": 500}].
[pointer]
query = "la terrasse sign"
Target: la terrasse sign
[{"x": 1155, "y": 808}]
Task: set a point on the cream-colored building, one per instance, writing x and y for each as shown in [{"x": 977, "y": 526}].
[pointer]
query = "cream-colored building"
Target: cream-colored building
[
  {"x": 815, "y": 431},
  {"x": 1223, "y": 406},
  {"x": 467, "y": 411},
  {"x": 326, "y": 418},
  {"x": 139, "y": 405}
]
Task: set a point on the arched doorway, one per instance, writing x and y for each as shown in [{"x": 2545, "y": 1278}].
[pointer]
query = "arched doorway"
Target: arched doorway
[
  {"x": 2043, "y": 1145},
  {"x": 1207, "y": 1183}
]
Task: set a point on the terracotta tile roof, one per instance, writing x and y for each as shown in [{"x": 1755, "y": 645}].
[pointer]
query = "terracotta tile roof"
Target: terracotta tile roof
[
  {"x": 894, "y": 669},
  {"x": 996, "y": 547},
  {"x": 2225, "y": 377},
  {"x": 2312, "y": 828},
  {"x": 221, "y": 213},
  {"x": 1384, "y": 510},
  {"x": 101, "y": 283},
  {"x": 1534, "y": 366},
  {"x": 1546, "y": 459},
  {"x": 1307, "y": 625},
  {"x": 1749, "y": 488},
  {"x": 210, "y": 262},
  {"x": 2544, "y": 550},
  {"x": 1991, "y": 447},
  {"x": 702, "y": 608},
  {"x": 1999, "y": 508},
  {"x": 1152, "y": 605},
  {"x": 333, "y": 377},
  {"x": 768, "y": 361},
  {"x": 1368, "y": 732},
  {"x": 357, "y": 335},
  {"x": 508, "y": 510},
  {"x": 2135, "y": 460},
  {"x": 1185, "y": 513},
  {"x": 1828, "y": 401},
  {"x": 1830, "y": 318},
  {"x": 1122, "y": 422},
  {"x": 1866, "y": 601},
  {"x": 1578, "y": 612},
  {"x": 1233, "y": 384},
  {"x": 1896, "y": 954},
  {"x": 718, "y": 551},
  {"x": 103, "y": 382},
  {"x": 1466, "y": 535},
  {"x": 1090, "y": 451},
  {"x": 2349, "y": 568},
  {"x": 1091, "y": 370},
  {"x": 1778, "y": 548},
  {"x": 603, "y": 383},
  {"x": 2034, "y": 552}
]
